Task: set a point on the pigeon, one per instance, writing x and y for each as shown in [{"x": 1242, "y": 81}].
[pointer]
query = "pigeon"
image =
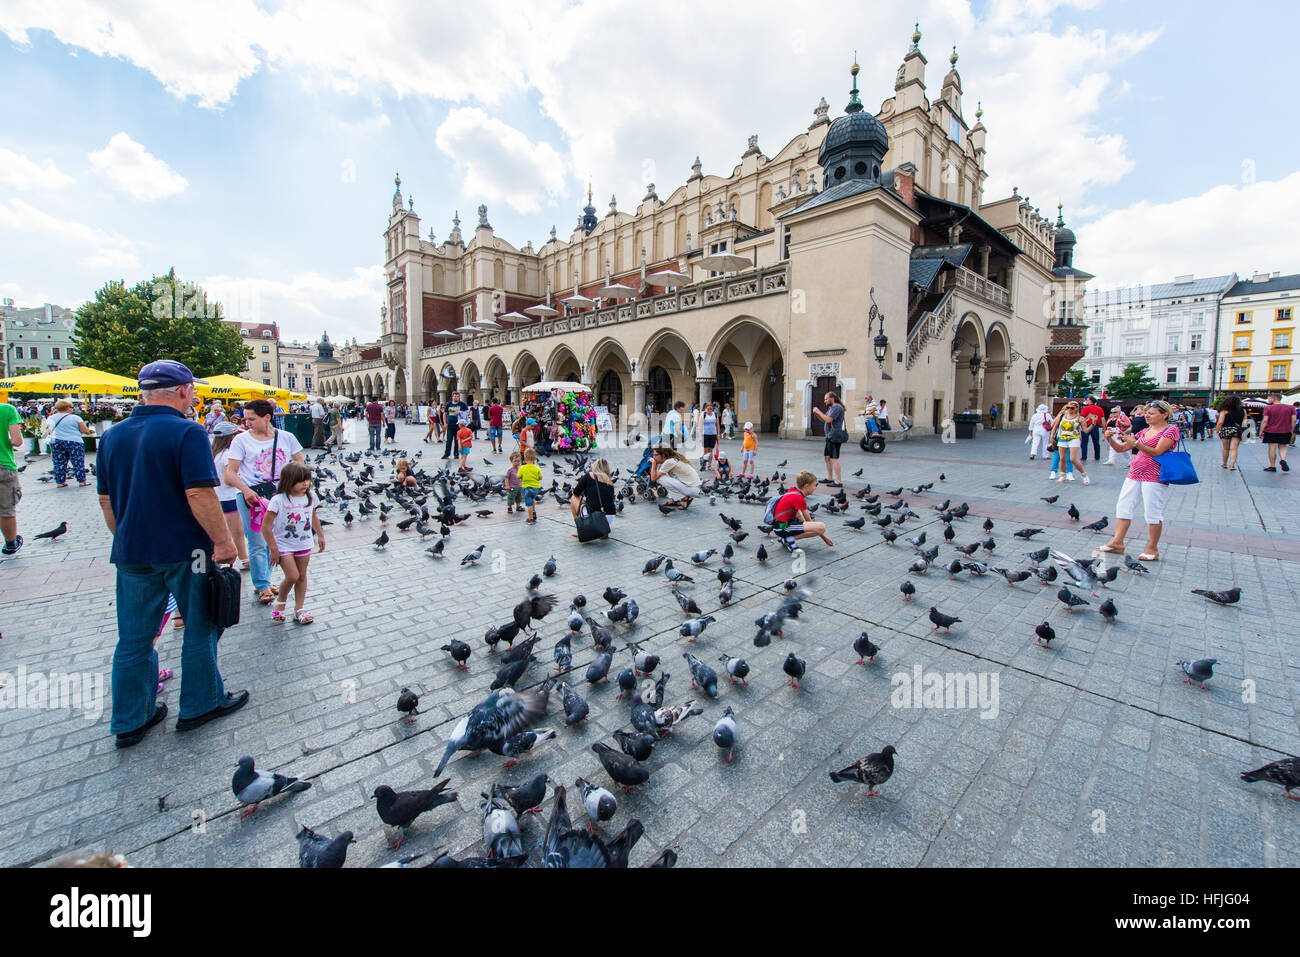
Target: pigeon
[
  {"x": 54, "y": 533},
  {"x": 940, "y": 620},
  {"x": 638, "y": 746},
  {"x": 500, "y": 826},
  {"x": 949, "y": 533},
  {"x": 460, "y": 652},
  {"x": 918, "y": 567},
  {"x": 968, "y": 549},
  {"x": 252, "y": 787},
  {"x": 1027, "y": 533},
  {"x": 864, "y": 647},
  {"x": 533, "y": 609},
  {"x": 1135, "y": 566},
  {"x": 736, "y": 668},
  {"x": 1285, "y": 772},
  {"x": 510, "y": 672},
  {"x": 665, "y": 719},
  {"x": 674, "y": 575},
  {"x": 930, "y": 554},
  {"x": 1003, "y": 487},
  {"x": 520, "y": 744},
  {"x": 694, "y": 627},
  {"x": 988, "y": 525},
  {"x": 575, "y": 705},
  {"x": 622, "y": 769},
  {"x": 400, "y": 808},
  {"x": 499, "y": 633},
  {"x": 436, "y": 548},
  {"x": 889, "y": 535},
  {"x": 407, "y": 702},
  {"x": 873, "y": 770},
  {"x": 600, "y": 803},
  {"x": 319, "y": 852},
  {"x": 699, "y": 558},
  {"x": 988, "y": 545},
  {"x": 702, "y": 675},
  {"x": 525, "y": 798},
  {"x": 761, "y": 554},
  {"x": 534, "y": 583},
  {"x": 725, "y": 733},
  {"x": 1049, "y": 499},
  {"x": 1098, "y": 525},
  {"x": 652, "y": 566},
  {"x": 728, "y": 553},
  {"x": 1229, "y": 597},
  {"x": 381, "y": 541},
  {"x": 856, "y": 523},
  {"x": 626, "y": 681},
  {"x": 739, "y": 537},
  {"x": 1047, "y": 574},
  {"x": 689, "y": 606},
  {"x": 1039, "y": 556},
  {"x": 908, "y": 590},
  {"x": 598, "y": 670},
  {"x": 563, "y": 653},
  {"x": 1198, "y": 671},
  {"x": 579, "y": 601},
  {"x": 1045, "y": 634},
  {"x": 1013, "y": 577},
  {"x": 445, "y": 860},
  {"x": 1072, "y": 512},
  {"x": 1108, "y": 611},
  {"x": 917, "y": 542},
  {"x": 1070, "y": 599},
  {"x": 795, "y": 668},
  {"x": 614, "y": 595},
  {"x": 497, "y": 718},
  {"x": 725, "y": 593},
  {"x": 954, "y": 568},
  {"x": 473, "y": 557},
  {"x": 977, "y": 569},
  {"x": 731, "y": 523}
]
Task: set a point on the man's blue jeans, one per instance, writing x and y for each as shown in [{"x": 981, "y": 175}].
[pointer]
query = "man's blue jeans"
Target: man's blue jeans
[
  {"x": 1095, "y": 435},
  {"x": 141, "y": 601},
  {"x": 375, "y": 437},
  {"x": 259, "y": 556}
]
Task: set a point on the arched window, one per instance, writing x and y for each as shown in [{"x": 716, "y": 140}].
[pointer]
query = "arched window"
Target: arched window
[
  {"x": 659, "y": 389},
  {"x": 610, "y": 391}
]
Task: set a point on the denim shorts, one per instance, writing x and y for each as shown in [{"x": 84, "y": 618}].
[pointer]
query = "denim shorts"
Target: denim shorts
[
  {"x": 494, "y": 433},
  {"x": 531, "y": 495},
  {"x": 229, "y": 506}
]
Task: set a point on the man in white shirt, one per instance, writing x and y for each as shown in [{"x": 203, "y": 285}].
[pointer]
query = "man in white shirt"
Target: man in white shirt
[
  {"x": 318, "y": 425},
  {"x": 675, "y": 425}
]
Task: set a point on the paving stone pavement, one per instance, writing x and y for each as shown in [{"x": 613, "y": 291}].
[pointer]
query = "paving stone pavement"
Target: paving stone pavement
[{"x": 1093, "y": 753}]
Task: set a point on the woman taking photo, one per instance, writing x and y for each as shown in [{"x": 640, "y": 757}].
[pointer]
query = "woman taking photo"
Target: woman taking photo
[
  {"x": 1232, "y": 416},
  {"x": 1069, "y": 428},
  {"x": 595, "y": 492},
  {"x": 1143, "y": 481},
  {"x": 674, "y": 474}
]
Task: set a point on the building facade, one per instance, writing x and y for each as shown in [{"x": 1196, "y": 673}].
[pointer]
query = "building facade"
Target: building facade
[
  {"x": 301, "y": 365},
  {"x": 264, "y": 339},
  {"x": 38, "y": 339},
  {"x": 1168, "y": 327},
  {"x": 1256, "y": 338},
  {"x": 862, "y": 257}
]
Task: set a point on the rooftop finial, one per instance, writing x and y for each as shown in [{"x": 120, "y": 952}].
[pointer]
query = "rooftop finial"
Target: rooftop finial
[
  {"x": 855, "y": 104},
  {"x": 588, "y": 190},
  {"x": 397, "y": 180},
  {"x": 916, "y": 34},
  {"x": 979, "y": 110},
  {"x": 953, "y": 59},
  {"x": 1060, "y": 216}
]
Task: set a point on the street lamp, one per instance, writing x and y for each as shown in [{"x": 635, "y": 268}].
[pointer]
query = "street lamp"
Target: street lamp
[
  {"x": 880, "y": 343},
  {"x": 1029, "y": 375},
  {"x": 975, "y": 362}
]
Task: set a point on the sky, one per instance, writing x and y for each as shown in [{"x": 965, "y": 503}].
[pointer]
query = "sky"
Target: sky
[{"x": 252, "y": 145}]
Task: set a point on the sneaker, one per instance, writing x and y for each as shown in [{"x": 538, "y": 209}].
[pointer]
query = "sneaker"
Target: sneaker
[
  {"x": 232, "y": 704},
  {"x": 1271, "y": 468},
  {"x": 1285, "y": 467},
  {"x": 1051, "y": 477},
  {"x": 135, "y": 737},
  {"x": 1086, "y": 480},
  {"x": 1069, "y": 477},
  {"x": 1107, "y": 463},
  {"x": 12, "y": 548}
]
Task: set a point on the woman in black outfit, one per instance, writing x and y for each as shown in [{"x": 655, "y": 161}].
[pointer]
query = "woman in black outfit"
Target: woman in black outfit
[
  {"x": 1232, "y": 416},
  {"x": 595, "y": 490}
]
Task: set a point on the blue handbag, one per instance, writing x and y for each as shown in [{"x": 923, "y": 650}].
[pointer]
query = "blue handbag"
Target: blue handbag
[{"x": 1176, "y": 466}]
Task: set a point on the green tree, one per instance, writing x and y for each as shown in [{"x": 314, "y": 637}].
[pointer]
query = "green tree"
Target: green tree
[
  {"x": 123, "y": 328},
  {"x": 1132, "y": 383},
  {"x": 1073, "y": 380}
]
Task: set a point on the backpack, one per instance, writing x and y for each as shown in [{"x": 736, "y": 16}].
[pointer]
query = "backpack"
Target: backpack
[{"x": 769, "y": 513}]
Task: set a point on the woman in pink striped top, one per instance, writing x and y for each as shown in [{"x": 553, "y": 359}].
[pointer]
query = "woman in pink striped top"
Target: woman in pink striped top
[{"x": 1143, "y": 481}]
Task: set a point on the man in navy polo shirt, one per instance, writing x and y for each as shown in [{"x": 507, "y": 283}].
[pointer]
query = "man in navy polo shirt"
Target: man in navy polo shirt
[{"x": 157, "y": 489}]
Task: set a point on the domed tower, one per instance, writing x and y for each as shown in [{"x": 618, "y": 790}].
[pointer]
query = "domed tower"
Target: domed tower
[
  {"x": 855, "y": 145},
  {"x": 589, "y": 220},
  {"x": 325, "y": 351},
  {"x": 1064, "y": 242}
]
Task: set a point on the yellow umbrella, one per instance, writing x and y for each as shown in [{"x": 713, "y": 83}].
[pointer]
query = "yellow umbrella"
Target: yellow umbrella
[
  {"x": 70, "y": 381},
  {"x": 233, "y": 387}
]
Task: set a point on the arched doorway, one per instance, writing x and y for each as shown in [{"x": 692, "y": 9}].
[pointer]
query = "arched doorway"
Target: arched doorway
[
  {"x": 724, "y": 387},
  {"x": 659, "y": 390},
  {"x": 748, "y": 372},
  {"x": 609, "y": 392},
  {"x": 996, "y": 363},
  {"x": 966, "y": 383}
]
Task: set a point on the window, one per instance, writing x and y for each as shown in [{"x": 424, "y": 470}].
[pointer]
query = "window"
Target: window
[
  {"x": 266, "y": 333},
  {"x": 1193, "y": 374},
  {"x": 266, "y": 367},
  {"x": 306, "y": 382},
  {"x": 1134, "y": 345},
  {"x": 1241, "y": 342},
  {"x": 954, "y": 129},
  {"x": 1197, "y": 342},
  {"x": 1096, "y": 377},
  {"x": 1198, "y": 319},
  {"x": 290, "y": 365},
  {"x": 1135, "y": 323},
  {"x": 306, "y": 367},
  {"x": 1243, "y": 318},
  {"x": 35, "y": 353},
  {"x": 265, "y": 347},
  {"x": 1171, "y": 375},
  {"x": 54, "y": 352},
  {"x": 1281, "y": 340},
  {"x": 1278, "y": 371},
  {"x": 243, "y": 332},
  {"x": 293, "y": 381},
  {"x": 266, "y": 382},
  {"x": 1096, "y": 347},
  {"x": 1240, "y": 372},
  {"x": 1283, "y": 315},
  {"x": 1175, "y": 343},
  {"x": 18, "y": 352}
]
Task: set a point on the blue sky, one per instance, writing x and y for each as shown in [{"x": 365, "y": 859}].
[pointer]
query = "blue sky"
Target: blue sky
[{"x": 253, "y": 146}]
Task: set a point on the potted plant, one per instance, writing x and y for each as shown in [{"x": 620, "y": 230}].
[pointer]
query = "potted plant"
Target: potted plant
[{"x": 31, "y": 429}]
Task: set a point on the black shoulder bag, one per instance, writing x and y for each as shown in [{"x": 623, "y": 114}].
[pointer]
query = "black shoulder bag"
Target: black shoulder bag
[{"x": 223, "y": 595}]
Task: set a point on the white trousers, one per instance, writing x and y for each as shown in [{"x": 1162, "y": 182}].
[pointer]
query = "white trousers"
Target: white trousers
[
  {"x": 1152, "y": 494},
  {"x": 1039, "y": 446},
  {"x": 676, "y": 489},
  {"x": 1114, "y": 454}
]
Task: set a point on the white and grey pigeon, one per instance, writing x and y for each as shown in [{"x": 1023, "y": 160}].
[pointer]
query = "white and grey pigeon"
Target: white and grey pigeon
[
  {"x": 319, "y": 852},
  {"x": 600, "y": 803},
  {"x": 500, "y": 827},
  {"x": 702, "y": 675},
  {"x": 725, "y": 733},
  {"x": 252, "y": 787},
  {"x": 500, "y": 716},
  {"x": 699, "y": 558},
  {"x": 1082, "y": 575},
  {"x": 1198, "y": 671},
  {"x": 693, "y": 628}
]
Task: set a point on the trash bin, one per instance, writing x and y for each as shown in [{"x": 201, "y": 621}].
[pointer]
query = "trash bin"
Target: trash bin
[
  {"x": 774, "y": 423},
  {"x": 966, "y": 422},
  {"x": 298, "y": 424}
]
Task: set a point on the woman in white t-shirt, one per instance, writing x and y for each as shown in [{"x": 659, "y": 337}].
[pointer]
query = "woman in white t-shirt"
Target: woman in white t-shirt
[
  {"x": 675, "y": 474},
  {"x": 248, "y": 463},
  {"x": 223, "y": 433},
  {"x": 288, "y": 526}
]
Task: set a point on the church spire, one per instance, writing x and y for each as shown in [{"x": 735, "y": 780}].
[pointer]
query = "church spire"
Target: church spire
[{"x": 855, "y": 104}]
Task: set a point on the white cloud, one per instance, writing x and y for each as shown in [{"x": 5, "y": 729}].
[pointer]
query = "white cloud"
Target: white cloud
[
  {"x": 105, "y": 251},
  {"x": 24, "y": 173},
  {"x": 136, "y": 171},
  {"x": 499, "y": 161},
  {"x": 1229, "y": 228},
  {"x": 306, "y": 302}
]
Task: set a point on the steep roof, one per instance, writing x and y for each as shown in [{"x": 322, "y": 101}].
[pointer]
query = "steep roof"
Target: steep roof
[{"x": 1281, "y": 284}]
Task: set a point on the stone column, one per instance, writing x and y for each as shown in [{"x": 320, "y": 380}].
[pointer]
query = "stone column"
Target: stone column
[
  {"x": 706, "y": 389},
  {"x": 984, "y": 260}
]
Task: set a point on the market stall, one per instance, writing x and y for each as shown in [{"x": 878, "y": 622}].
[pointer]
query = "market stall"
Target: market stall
[{"x": 565, "y": 413}]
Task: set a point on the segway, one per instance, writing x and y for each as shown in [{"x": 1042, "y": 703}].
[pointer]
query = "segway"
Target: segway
[{"x": 872, "y": 440}]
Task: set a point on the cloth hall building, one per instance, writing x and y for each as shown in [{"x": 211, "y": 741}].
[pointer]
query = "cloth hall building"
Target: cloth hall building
[{"x": 862, "y": 257}]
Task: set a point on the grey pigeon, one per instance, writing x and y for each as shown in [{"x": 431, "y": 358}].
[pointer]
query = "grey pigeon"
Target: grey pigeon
[
  {"x": 600, "y": 803},
  {"x": 500, "y": 827},
  {"x": 1070, "y": 599},
  {"x": 725, "y": 733},
  {"x": 1285, "y": 772},
  {"x": 520, "y": 744},
  {"x": 563, "y": 654},
  {"x": 873, "y": 770},
  {"x": 736, "y": 668},
  {"x": 318, "y": 851},
  {"x": 652, "y": 565},
  {"x": 575, "y": 705},
  {"x": 1229, "y": 597},
  {"x": 693, "y": 628},
  {"x": 908, "y": 590},
  {"x": 688, "y": 604},
  {"x": 525, "y": 798},
  {"x": 473, "y": 557},
  {"x": 622, "y": 769},
  {"x": 626, "y": 681},
  {"x": 400, "y": 808},
  {"x": 407, "y": 703},
  {"x": 495, "y": 720},
  {"x": 940, "y": 620},
  {"x": 550, "y": 567},
  {"x": 1039, "y": 556},
  {"x": 702, "y": 675},
  {"x": 598, "y": 670},
  {"x": 459, "y": 651},
  {"x": 795, "y": 668},
  {"x": 864, "y": 647},
  {"x": 699, "y": 558},
  {"x": 1045, "y": 633},
  {"x": 1135, "y": 566},
  {"x": 1198, "y": 672},
  {"x": 637, "y": 745},
  {"x": 1108, "y": 611},
  {"x": 1013, "y": 577},
  {"x": 252, "y": 787}
]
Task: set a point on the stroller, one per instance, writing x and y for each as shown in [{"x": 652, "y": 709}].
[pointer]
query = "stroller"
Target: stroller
[{"x": 643, "y": 469}]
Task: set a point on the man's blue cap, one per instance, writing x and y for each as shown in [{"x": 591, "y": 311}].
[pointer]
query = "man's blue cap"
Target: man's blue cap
[{"x": 166, "y": 373}]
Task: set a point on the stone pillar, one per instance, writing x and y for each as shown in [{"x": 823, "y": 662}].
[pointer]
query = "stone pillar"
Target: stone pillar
[
  {"x": 984, "y": 260},
  {"x": 706, "y": 389}
]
